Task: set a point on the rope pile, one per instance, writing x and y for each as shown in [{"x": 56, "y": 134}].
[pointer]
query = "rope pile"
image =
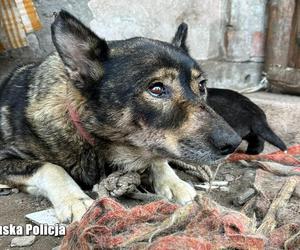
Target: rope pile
[{"x": 159, "y": 225}]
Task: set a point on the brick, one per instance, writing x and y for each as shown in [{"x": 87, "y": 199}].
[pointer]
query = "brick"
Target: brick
[
  {"x": 245, "y": 32},
  {"x": 258, "y": 44}
]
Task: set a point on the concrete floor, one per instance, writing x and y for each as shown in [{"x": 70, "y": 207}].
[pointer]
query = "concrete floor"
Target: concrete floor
[{"x": 283, "y": 114}]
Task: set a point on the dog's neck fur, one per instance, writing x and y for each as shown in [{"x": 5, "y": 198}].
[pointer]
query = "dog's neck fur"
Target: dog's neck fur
[
  {"x": 59, "y": 105},
  {"x": 75, "y": 118}
]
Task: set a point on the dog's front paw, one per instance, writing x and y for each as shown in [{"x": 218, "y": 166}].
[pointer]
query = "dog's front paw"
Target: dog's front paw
[
  {"x": 175, "y": 189},
  {"x": 72, "y": 209}
]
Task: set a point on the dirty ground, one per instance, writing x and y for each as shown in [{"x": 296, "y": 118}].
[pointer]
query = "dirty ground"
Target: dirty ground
[
  {"x": 240, "y": 180},
  {"x": 13, "y": 209}
]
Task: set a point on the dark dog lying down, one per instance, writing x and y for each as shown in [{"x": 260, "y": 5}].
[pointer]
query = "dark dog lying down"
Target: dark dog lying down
[
  {"x": 131, "y": 104},
  {"x": 245, "y": 117}
]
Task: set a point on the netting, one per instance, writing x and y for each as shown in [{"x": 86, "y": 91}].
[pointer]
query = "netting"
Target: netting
[{"x": 202, "y": 224}]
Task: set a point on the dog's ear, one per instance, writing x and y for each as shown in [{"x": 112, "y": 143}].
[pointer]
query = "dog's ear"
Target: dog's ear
[
  {"x": 179, "y": 39},
  {"x": 81, "y": 50}
]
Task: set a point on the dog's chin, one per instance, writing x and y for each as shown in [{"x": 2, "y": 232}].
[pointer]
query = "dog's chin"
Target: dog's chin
[
  {"x": 204, "y": 159},
  {"x": 209, "y": 161},
  {"x": 192, "y": 157}
]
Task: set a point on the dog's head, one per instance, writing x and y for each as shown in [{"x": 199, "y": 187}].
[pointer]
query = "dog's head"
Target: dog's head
[{"x": 144, "y": 93}]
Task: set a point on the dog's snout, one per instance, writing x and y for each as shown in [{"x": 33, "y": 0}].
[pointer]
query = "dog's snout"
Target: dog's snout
[{"x": 225, "y": 140}]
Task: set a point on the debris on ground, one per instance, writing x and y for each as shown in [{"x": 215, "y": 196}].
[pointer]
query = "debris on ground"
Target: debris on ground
[
  {"x": 244, "y": 197},
  {"x": 269, "y": 222},
  {"x": 47, "y": 216},
  {"x": 283, "y": 236},
  {"x": 274, "y": 167},
  {"x": 211, "y": 185},
  {"x": 203, "y": 224},
  {"x": 56, "y": 248},
  {"x": 4, "y": 186},
  {"x": 7, "y": 190},
  {"x": 293, "y": 242},
  {"x": 271, "y": 188},
  {"x": 229, "y": 177},
  {"x": 269, "y": 216},
  {"x": 264, "y": 194},
  {"x": 285, "y": 158},
  {"x": 22, "y": 241}
]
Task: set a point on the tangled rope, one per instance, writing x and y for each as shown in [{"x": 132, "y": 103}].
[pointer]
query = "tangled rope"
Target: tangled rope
[
  {"x": 121, "y": 183},
  {"x": 117, "y": 184},
  {"x": 202, "y": 172}
]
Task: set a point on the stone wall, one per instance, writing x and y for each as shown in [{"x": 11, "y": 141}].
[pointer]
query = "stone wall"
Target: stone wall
[{"x": 226, "y": 36}]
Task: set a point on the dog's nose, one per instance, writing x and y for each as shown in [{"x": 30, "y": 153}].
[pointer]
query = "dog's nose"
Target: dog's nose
[
  {"x": 228, "y": 149},
  {"x": 225, "y": 140}
]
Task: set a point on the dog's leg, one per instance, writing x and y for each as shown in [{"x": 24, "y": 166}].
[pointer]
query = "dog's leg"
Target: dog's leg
[
  {"x": 168, "y": 184},
  {"x": 255, "y": 144},
  {"x": 51, "y": 181}
]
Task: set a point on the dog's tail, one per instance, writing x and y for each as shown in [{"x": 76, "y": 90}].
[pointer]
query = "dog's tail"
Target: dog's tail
[{"x": 264, "y": 131}]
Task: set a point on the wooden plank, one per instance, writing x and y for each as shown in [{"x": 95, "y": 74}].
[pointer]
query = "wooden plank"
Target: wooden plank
[
  {"x": 284, "y": 80},
  {"x": 269, "y": 222},
  {"x": 278, "y": 32},
  {"x": 294, "y": 51}
]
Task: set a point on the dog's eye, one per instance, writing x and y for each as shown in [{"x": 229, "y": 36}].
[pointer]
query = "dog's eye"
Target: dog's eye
[
  {"x": 157, "y": 89},
  {"x": 202, "y": 86}
]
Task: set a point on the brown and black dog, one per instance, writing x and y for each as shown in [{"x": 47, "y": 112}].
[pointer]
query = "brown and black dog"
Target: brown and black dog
[{"x": 132, "y": 104}]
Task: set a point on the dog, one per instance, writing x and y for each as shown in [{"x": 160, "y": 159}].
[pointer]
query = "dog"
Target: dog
[
  {"x": 244, "y": 116},
  {"x": 131, "y": 104}
]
